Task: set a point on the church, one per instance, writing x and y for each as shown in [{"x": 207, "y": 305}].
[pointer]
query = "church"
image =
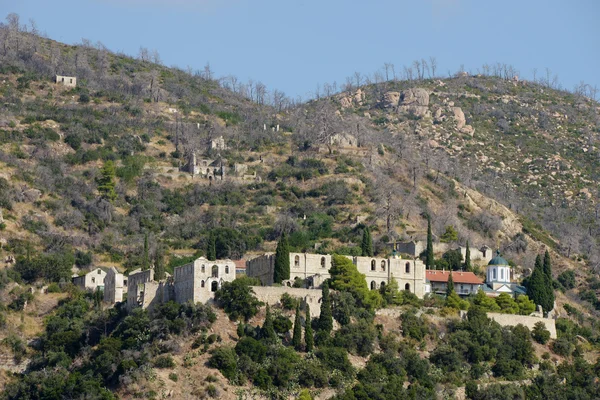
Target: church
[{"x": 498, "y": 279}]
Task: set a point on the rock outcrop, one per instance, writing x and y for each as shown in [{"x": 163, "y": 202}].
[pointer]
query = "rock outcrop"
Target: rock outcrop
[{"x": 414, "y": 101}]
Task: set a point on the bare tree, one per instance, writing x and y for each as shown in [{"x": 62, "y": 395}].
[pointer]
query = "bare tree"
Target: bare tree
[{"x": 433, "y": 66}]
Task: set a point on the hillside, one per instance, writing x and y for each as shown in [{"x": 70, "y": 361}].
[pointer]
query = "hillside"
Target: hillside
[{"x": 89, "y": 174}]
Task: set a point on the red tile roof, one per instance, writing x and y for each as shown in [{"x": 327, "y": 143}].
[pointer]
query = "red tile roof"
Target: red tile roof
[{"x": 457, "y": 277}]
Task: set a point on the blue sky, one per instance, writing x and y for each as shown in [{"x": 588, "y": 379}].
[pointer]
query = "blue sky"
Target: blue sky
[{"x": 293, "y": 45}]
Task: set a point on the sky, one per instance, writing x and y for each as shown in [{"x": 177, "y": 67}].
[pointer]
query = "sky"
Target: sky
[{"x": 296, "y": 45}]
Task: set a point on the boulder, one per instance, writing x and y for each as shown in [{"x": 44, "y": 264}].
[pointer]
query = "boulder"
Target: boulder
[
  {"x": 414, "y": 97},
  {"x": 459, "y": 117},
  {"x": 419, "y": 111},
  {"x": 31, "y": 195},
  {"x": 468, "y": 130},
  {"x": 391, "y": 99}
]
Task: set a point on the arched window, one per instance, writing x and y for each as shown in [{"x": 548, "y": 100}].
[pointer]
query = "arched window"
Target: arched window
[
  {"x": 407, "y": 268},
  {"x": 322, "y": 262},
  {"x": 93, "y": 280},
  {"x": 383, "y": 265},
  {"x": 407, "y": 287},
  {"x": 501, "y": 274},
  {"x": 227, "y": 269},
  {"x": 494, "y": 274},
  {"x": 215, "y": 271},
  {"x": 373, "y": 285},
  {"x": 203, "y": 269},
  {"x": 372, "y": 265},
  {"x": 201, "y": 283},
  {"x": 382, "y": 285},
  {"x": 297, "y": 261},
  {"x": 483, "y": 252},
  {"x": 214, "y": 286}
]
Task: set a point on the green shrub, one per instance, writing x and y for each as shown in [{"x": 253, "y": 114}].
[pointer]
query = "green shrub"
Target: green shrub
[
  {"x": 540, "y": 334},
  {"x": 54, "y": 288},
  {"x": 165, "y": 361},
  {"x": 173, "y": 376}
]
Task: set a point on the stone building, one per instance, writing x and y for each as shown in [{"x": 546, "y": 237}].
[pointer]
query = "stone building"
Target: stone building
[
  {"x": 69, "y": 81},
  {"x": 211, "y": 169},
  {"x": 218, "y": 143},
  {"x": 198, "y": 280},
  {"x": 91, "y": 281},
  {"x": 114, "y": 286},
  {"x": 143, "y": 291},
  {"x": 313, "y": 269}
]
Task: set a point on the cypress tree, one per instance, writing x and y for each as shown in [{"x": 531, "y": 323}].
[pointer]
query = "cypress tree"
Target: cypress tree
[
  {"x": 547, "y": 268},
  {"x": 268, "y": 329},
  {"x": 429, "y": 259},
  {"x": 297, "y": 336},
  {"x": 326, "y": 317},
  {"x": 450, "y": 286},
  {"x": 538, "y": 288},
  {"x": 211, "y": 249},
  {"x": 106, "y": 181},
  {"x": 366, "y": 245},
  {"x": 159, "y": 264},
  {"x": 468, "y": 258},
  {"x": 146, "y": 259},
  {"x": 308, "y": 332},
  {"x": 281, "y": 271}
]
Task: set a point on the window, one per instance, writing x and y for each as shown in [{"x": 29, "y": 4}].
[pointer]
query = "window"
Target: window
[
  {"x": 494, "y": 274},
  {"x": 483, "y": 252},
  {"x": 323, "y": 262},
  {"x": 70, "y": 80},
  {"x": 297, "y": 261},
  {"x": 99, "y": 271},
  {"x": 63, "y": 79},
  {"x": 214, "y": 286},
  {"x": 407, "y": 268},
  {"x": 373, "y": 265},
  {"x": 93, "y": 280},
  {"x": 373, "y": 285},
  {"x": 407, "y": 287},
  {"x": 382, "y": 285},
  {"x": 501, "y": 274},
  {"x": 383, "y": 265},
  {"x": 203, "y": 268},
  {"x": 201, "y": 283},
  {"x": 227, "y": 269},
  {"x": 215, "y": 271}
]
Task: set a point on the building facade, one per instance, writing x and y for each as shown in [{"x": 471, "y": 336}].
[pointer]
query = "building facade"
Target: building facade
[
  {"x": 198, "y": 280},
  {"x": 313, "y": 269},
  {"x": 114, "y": 286},
  {"x": 465, "y": 283},
  {"x": 91, "y": 281},
  {"x": 69, "y": 81}
]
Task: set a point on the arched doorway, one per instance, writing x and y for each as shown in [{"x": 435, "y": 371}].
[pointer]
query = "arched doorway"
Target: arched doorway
[
  {"x": 214, "y": 286},
  {"x": 373, "y": 285},
  {"x": 407, "y": 287}
]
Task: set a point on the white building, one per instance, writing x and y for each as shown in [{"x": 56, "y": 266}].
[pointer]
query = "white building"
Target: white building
[
  {"x": 499, "y": 279},
  {"x": 91, "y": 281},
  {"x": 69, "y": 81}
]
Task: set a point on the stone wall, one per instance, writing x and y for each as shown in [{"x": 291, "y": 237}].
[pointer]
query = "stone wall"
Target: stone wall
[
  {"x": 526, "y": 320},
  {"x": 135, "y": 287},
  {"x": 113, "y": 286},
  {"x": 262, "y": 267},
  {"x": 272, "y": 295}
]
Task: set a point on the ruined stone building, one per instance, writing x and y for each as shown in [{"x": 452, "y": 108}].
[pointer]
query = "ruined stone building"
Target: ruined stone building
[
  {"x": 218, "y": 143},
  {"x": 211, "y": 169},
  {"x": 414, "y": 248},
  {"x": 198, "y": 280},
  {"x": 313, "y": 269},
  {"x": 69, "y": 81},
  {"x": 115, "y": 285}
]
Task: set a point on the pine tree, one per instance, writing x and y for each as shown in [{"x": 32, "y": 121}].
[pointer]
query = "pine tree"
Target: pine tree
[
  {"x": 450, "y": 286},
  {"x": 308, "y": 332},
  {"x": 326, "y": 317},
  {"x": 281, "y": 271},
  {"x": 366, "y": 245},
  {"x": 268, "y": 329},
  {"x": 297, "y": 336},
  {"x": 159, "y": 264},
  {"x": 106, "y": 181},
  {"x": 429, "y": 259},
  {"x": 468, "y": 258},
  {"x": 211, "y": 248},
  {"x": 146, "y": 257}
]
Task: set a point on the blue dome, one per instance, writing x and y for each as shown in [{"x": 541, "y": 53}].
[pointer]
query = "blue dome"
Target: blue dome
[{"x": 498, "y": 260}]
